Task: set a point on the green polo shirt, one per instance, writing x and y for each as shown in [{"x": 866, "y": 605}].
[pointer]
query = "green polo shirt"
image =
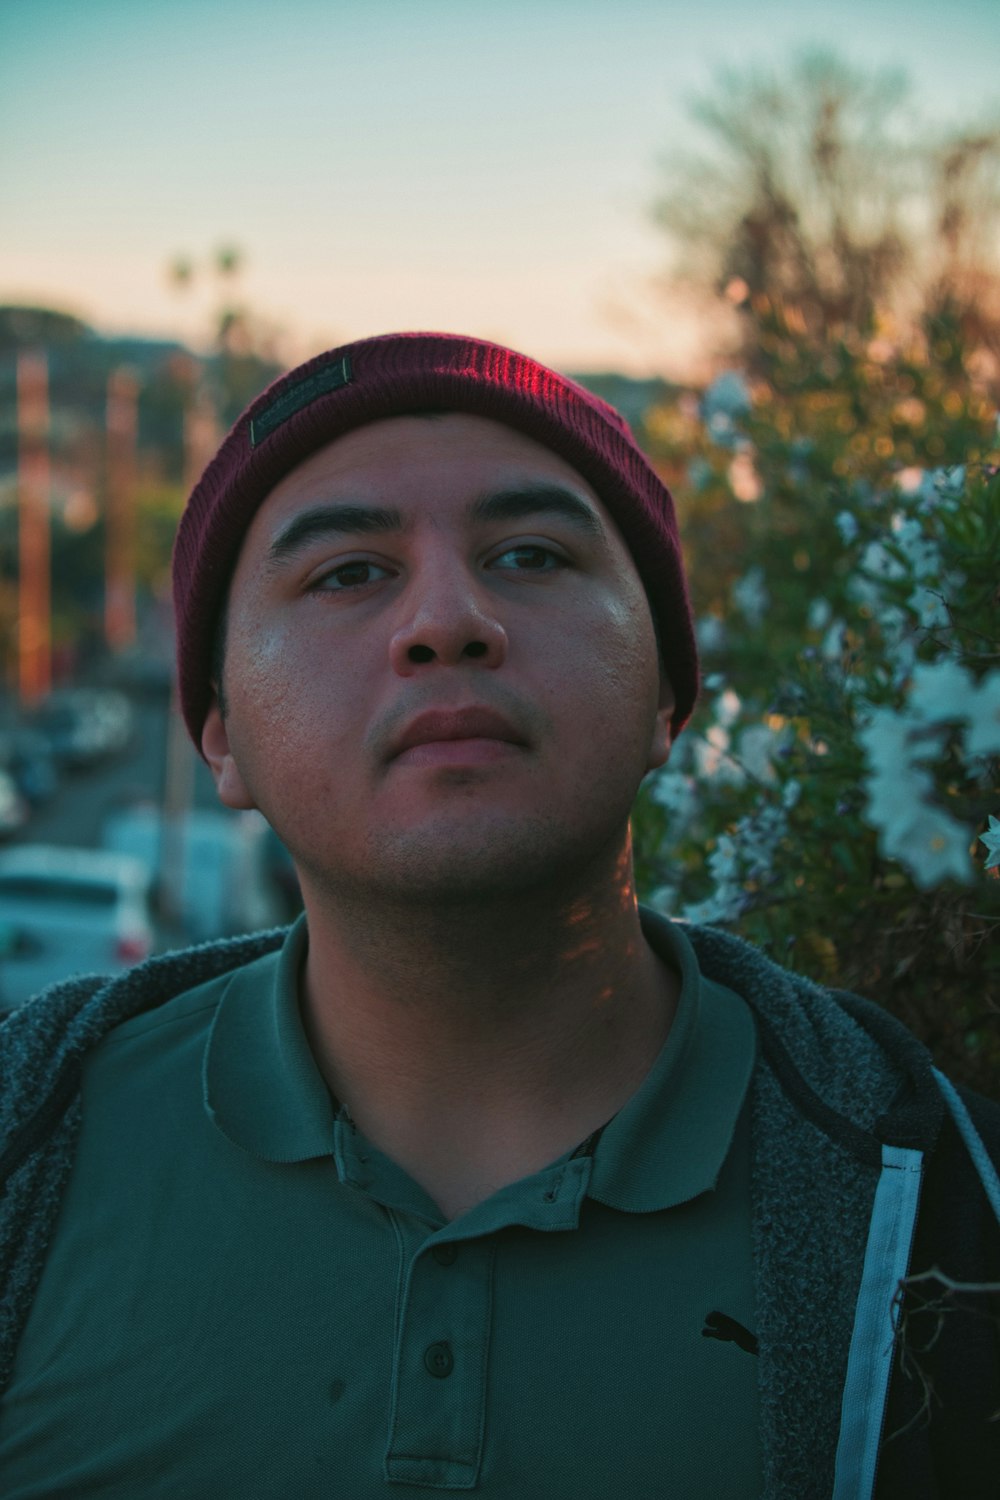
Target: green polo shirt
[{"x": 244, "y": 1298}]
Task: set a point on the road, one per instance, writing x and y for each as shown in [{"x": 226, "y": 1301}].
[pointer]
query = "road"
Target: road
[
  {"x": 239, "y": 885},
  {"x": 85, "y": 797}
]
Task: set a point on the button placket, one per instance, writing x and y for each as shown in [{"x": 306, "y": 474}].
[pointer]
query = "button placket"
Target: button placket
[{"x": 439, "y": 1386}]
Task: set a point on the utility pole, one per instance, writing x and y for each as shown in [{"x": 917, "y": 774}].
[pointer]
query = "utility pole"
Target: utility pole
[
  {"x": 201, "y": 437},
  {"x": 34, "y": 635},
  {"x": 201, "y": 433},
  {"x": 119, "y": 574}
]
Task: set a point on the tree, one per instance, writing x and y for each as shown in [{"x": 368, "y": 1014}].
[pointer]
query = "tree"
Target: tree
[
  {"x": 835, "y": 796},
  {"x": 822, "y": 205},
  {"x": 244, "y": 356}
]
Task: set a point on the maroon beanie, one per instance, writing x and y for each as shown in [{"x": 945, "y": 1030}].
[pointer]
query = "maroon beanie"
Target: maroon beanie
[{"x": 389, "y": 376}]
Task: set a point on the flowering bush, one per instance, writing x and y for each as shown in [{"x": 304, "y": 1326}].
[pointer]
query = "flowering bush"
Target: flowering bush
[{"x": 836, "y": 798}]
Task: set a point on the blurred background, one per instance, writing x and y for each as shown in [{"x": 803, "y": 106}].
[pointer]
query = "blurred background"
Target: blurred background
[{"x": 768, "y": 234}]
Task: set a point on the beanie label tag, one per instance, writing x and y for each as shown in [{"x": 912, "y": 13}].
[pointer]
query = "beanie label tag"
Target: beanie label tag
[{"x": 295, "y": 397}]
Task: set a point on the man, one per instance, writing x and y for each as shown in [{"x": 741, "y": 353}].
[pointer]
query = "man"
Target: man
[{"x": 480, "y": 1177}]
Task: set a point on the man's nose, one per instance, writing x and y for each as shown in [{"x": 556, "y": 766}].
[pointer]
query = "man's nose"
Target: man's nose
[{"x": 448, "y": 617}]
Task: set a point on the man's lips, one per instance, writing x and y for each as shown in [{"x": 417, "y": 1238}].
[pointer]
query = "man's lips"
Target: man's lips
[
  {"x": 482, "y": 725},
  {"x": 474, "y": 751}
]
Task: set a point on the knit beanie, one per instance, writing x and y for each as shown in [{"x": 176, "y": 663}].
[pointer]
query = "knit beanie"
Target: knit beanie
[{"x": 392, "y": 375}]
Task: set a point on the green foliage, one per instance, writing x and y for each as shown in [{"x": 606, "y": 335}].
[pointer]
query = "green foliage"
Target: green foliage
[{"x": 827, "y": 799}]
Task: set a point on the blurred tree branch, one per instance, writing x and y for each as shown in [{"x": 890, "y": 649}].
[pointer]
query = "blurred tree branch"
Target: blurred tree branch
[{"x": 821, "y": 200}]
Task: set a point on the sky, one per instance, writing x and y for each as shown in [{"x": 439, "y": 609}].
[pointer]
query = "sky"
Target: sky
[{"x": 476, "y": 167}]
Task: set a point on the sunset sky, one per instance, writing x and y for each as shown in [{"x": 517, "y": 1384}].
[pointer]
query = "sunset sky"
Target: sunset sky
[{"x": 399, "y": 163}]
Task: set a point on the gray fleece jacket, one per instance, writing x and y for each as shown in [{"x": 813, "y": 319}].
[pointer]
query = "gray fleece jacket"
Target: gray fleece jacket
[{"x": 852, "y": 1147}]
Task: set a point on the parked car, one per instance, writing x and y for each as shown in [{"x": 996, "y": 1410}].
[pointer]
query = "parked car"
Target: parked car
[
  {"x": 68, "y": 911},
  {"x": 85, "y": 725},
  {"x": 213, "y": 880},
  {"x": 26, "y": 756}
]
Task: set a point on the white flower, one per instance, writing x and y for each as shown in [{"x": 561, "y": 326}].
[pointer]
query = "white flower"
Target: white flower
[
  {"x": 950, "y": 481},
  {"x": 863, "y": 590},
  {"x": 877, "y": 562},
  {"x": 750, "y": 596},
  {"x": 892, "y": 621},
  {"x": 991, "y": 838},
  {"x": 819, "y": 614},
  {"x": 894, "y": 801},
  {"x": 941, "y": 691},
  {"x": 941, "y": 489},
  {"x": 847, "y": 524},
  {"x": 885, "y": 740},
  {"x": 723, "y": 905},
  {"x": 756, "y": 745},
  {"x": 931, "y": 844},
  {"x": 728, "y": 392},
  {"x": 832, "y": 644},
  {"x": 676, "y": 792},
  {"x": 791, "y": 794},
  {"x": 711, "y": 760},
  {"x": 930, "y": 607},
  {"x": 663, "y": 898},
  {"x": 898, "y": 639},
  {"x": 727, "y": 709},
  {"x": 758, "y": 836},
  {"x": 725, "y": 400},
  {"x": 933, "y": 847},
  {"x": 722, "y": 862},
  {"x": 720, "y": 425},
  {"x": 982, "y": 736},
  {"x": 920, "y": 552},
  {"x": 711, "y": 633}
]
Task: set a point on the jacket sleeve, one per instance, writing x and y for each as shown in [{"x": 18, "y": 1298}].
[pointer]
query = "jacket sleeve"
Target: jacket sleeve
[{"x": 939, "y": 1440}]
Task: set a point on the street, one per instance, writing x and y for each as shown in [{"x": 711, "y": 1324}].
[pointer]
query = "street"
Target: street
[{"x": 85, "y": 797}]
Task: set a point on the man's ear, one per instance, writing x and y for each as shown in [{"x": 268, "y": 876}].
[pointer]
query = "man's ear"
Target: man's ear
[
  {"x": 662, "y": 739},
  {"x": 215, "y": 747}
]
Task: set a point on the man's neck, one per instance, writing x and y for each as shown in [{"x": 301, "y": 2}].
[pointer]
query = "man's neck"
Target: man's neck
[{"x": 474, "y": 1046}]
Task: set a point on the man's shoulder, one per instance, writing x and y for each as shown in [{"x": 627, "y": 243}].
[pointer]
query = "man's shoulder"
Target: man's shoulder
[
  {"x": 193, "y": 1005},
  {"x": 47, "y": 1040},
  {"x": 824, "y": 1044}
]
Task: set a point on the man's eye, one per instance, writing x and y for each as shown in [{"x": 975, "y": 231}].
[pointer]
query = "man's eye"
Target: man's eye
[
  {"x": 532, "y": 558},
  {"x": 350, "y": 575}
]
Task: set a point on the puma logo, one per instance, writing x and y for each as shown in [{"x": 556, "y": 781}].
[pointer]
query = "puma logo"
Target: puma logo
[{"x": 719, "y": 1326}]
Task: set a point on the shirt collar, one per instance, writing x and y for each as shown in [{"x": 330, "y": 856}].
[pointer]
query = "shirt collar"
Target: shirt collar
[
  {"x": 668, "y": 1143},
  {"x": 262, "y": 1086}
]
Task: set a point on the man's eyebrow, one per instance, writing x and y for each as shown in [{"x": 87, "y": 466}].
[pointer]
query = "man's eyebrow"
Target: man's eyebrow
[
  {"x": 525, "y": 500},
  {"x": 515, "y": 504},
  {"x": 331, "y": 520}
]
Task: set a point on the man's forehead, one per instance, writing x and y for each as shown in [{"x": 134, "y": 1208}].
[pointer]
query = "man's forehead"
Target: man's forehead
[{"x": 444, "y": 439}]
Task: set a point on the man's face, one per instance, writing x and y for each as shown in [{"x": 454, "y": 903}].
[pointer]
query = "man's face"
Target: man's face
[{"x": 474, "y": 569}]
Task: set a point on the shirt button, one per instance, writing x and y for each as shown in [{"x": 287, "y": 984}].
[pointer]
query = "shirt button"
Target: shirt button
[
  {"x": 445, "y": 1254},
  {"x": 439, "y": 1360}
]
